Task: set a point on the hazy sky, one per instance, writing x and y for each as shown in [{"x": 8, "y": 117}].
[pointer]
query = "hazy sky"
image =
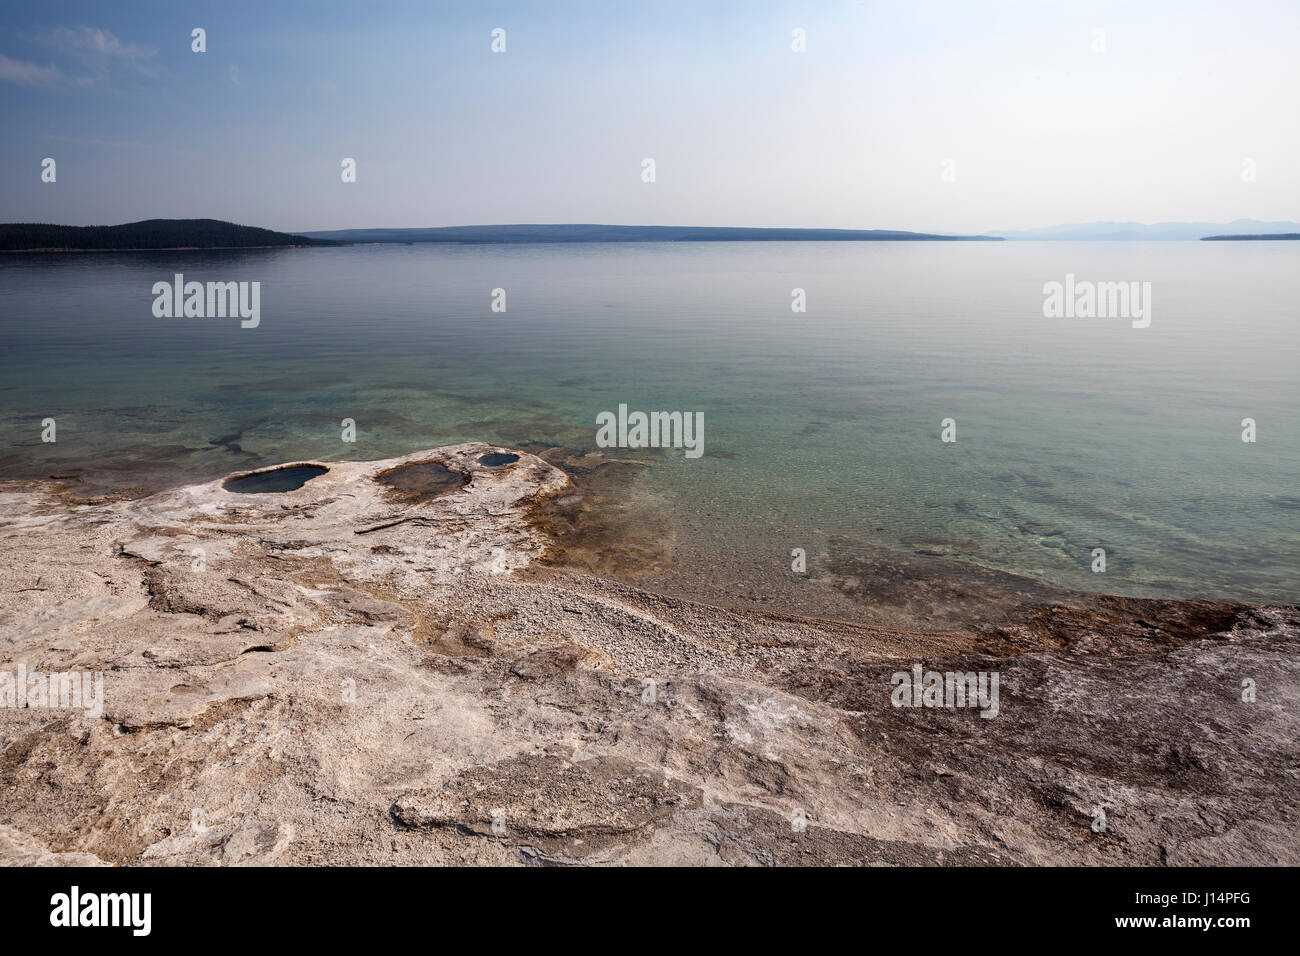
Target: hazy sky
[{"x": 854, "y": 132}]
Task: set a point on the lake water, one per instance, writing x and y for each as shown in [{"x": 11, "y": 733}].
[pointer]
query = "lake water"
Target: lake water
[{"x": 1071, "y": 433}]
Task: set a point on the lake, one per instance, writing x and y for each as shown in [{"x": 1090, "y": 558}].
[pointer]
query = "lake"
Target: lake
[{"x": 1071, "y": 433}]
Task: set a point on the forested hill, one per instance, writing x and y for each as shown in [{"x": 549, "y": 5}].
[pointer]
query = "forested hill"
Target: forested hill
[{"x": 149, "y": 234}]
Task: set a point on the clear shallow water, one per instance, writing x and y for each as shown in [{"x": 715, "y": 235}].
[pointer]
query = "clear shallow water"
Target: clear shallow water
[{"x": 1072, "y": 433}]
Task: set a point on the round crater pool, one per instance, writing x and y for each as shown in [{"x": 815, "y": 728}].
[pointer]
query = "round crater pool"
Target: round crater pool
[
  {"x": 422, "y": 479},
  {"x": 495, "y": 459},
  {"x": 276, "y": 481}
]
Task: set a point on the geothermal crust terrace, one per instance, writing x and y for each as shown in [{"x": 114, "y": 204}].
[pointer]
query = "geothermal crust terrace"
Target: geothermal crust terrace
[{"x": 392, "y": 664}]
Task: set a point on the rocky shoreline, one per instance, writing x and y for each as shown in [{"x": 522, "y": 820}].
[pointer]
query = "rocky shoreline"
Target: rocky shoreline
[{"x": 390, "y": 665}]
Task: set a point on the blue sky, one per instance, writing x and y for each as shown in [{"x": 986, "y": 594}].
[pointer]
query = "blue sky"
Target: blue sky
[{"x": 1039, "y": 125}]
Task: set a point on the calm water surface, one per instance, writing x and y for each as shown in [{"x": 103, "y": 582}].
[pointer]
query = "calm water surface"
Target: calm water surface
[{"x": 1072, "y": 433}]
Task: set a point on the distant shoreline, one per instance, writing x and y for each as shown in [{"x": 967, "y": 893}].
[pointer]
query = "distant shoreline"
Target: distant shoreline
[
  {"x": 193, "y": 235},
  {"x": 1281, "y": 235},
  {"x": 597, "y": 233}
]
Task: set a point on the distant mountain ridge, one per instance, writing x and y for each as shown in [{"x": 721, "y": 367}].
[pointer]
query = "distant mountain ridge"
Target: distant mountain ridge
[
  {"x": 590, "y": 232},
  {"x": 1271, "y": 235},
  {"x": 144, "y": 235},
  {"x": 1154, "y": 231}
]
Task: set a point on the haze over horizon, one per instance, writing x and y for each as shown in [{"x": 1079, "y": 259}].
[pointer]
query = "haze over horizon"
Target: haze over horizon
[{"x": 1040, "y": 127}]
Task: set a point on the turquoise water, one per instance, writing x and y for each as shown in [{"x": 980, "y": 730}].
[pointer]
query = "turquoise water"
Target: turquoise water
[{"x": 1071, "y": 433}]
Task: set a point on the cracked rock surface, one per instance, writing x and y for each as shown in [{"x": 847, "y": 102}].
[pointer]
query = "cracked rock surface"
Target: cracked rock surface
[{"x": 368, "y": 670}]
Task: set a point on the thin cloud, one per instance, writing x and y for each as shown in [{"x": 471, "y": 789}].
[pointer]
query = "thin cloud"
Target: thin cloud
[
  {"x": 99, "y": 51},
  {"x": 95, "y": 42},
  {"x": 27, "y": 73}
]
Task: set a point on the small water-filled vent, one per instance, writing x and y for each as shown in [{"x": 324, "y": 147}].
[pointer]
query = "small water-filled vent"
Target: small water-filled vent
[{"x": 422, "y": 479}]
